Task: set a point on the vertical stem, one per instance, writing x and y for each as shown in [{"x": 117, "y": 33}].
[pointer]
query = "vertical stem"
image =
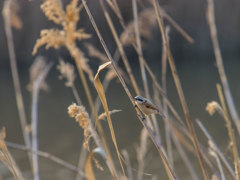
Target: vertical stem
[
  {"x": 219, "y": 61},
  {"x": 34, "y": 130},
  {"x": 120, "y": 47},
  {"x": 218, "y": 151},
  {"x": 230, "y": 133},
  {"x": 35, "y": 93},
  {"x": 165, "y": 107},
  {"x": 180, "y": 91},
  {"x": 14, "y": 70},
  {"x": 137, "y": 37}
]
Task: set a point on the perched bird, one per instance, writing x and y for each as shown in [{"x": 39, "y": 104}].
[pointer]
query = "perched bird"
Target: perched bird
[{"x": 146, "y": 106}]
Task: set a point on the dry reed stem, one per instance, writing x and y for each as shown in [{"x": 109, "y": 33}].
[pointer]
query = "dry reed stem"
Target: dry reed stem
[
  {"x": 217, "y": 149},
  {"x": 137, "y": 29},
  {"x": 227, "y": 92},
  {"x": 142, "y": 119},
  {"x": 48, "y": 156},
  {"x": 180, "y": 91},
  {"x": 141, "y": 152},
  {"x": 120, "y": 48},
  {"x": 35, "y": 93},
  {"x": 231, "y": 134},
  {"x": 165, "y": 108},
  {"x": 213, "y": 153},
  {"x": 184, "y": 157},
  {"x": 6, "y": 158},
  {"x": 13, "y": 63},
  {"x": 81, "y": 162},
  {"x": 140, "y": 29},
  {"x": 128, "y": 165}
]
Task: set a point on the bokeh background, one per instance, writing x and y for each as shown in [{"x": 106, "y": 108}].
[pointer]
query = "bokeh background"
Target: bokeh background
[{"x": 61, "y": 136}]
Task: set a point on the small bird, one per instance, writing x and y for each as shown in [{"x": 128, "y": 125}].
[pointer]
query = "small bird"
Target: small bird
[{"x": 146, "y": 106}]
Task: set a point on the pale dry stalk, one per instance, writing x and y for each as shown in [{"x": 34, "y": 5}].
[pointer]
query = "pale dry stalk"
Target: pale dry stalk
[
  {"x": 227, "y": 92},
  {"x": 120, "y": 47},
  {"x": 180, "y": 91},
  {"x": 13, "y": 63},
  {"x": 35, "y": 93},
  {"x": 217, "y": 149},
  {"x": 231, "y": 134}
]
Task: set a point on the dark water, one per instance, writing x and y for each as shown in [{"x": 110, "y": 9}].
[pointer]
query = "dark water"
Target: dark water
[{"x": 61, "y": 136}]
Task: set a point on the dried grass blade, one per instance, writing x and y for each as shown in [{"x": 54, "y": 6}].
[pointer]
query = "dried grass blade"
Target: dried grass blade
[
  {"x": 88, "y": 168},
  {"x": 101, "y": 93}
]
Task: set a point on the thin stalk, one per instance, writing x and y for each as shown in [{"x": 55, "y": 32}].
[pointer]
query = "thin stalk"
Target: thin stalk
[
  {"x": 139, "y": 46},
  {"x": 219, "y": 61},
  {"x": 230, "y": 133},
  {"x": 165, "y": 107},
  {"x": 220, "y": 154},
  {"x": 16, "y": 82},
  {"x": 180, "y": 91},
  {"x": 220, "y": 167},
  {"x": 144, "y": 76},
  {"x": 185, "y": 158},
  {"x": 142, "y": 66},
  {"x": 75, "y": 93},
  {"x": 128, "y": 164},
  {"x": 34, "y": 129},
  {"x": 120, "y": 47},
  {"x": 168, "y": 168},
  {"x": 35, "y": 94},
  {"x": 81, "y": 162}
]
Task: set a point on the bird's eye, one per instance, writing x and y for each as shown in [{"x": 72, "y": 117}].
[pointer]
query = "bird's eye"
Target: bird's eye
[{"x": 139, "y": 99}]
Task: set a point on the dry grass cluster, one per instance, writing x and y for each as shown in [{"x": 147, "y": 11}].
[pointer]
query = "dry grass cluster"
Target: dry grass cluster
[{"x": 180, "y": 137}]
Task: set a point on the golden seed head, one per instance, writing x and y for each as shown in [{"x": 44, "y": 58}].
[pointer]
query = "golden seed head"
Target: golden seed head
[
  {"x": 73, "y": 110},
  {"x": 212, "y": 107}
]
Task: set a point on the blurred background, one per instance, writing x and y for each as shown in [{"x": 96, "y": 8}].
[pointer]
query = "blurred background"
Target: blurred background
[{"x": 60, "y": 135}]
